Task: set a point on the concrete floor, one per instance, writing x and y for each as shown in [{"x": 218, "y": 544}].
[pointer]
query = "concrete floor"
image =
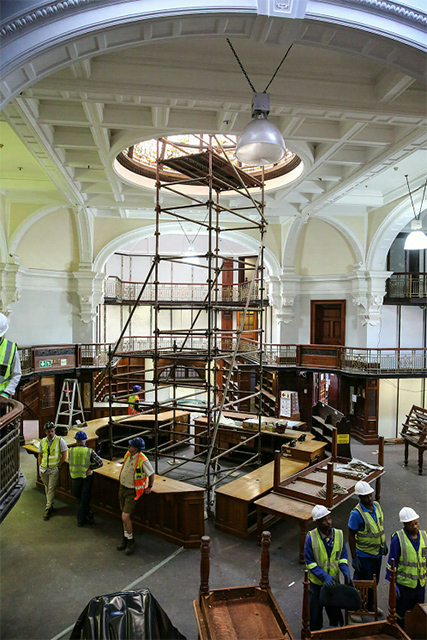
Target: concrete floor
[{"x": 50, "y": 570}]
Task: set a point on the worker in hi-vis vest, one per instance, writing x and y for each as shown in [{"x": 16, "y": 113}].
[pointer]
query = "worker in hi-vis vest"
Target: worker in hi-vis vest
[
  {"x": 10, "y": 365},
  {"x": 408, "y": 548},
  {"x": 325, "y": 556},
  {"x": 136, "y": 478},
  {"x": 82, "y": 461},
  {"x": 134, "y": 400},
  {"x": 52, "y": 455},
  {"x": 366, "y": 538}
]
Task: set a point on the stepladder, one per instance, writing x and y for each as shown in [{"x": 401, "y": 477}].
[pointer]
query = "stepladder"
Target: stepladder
[{"x": 70, "y": 408}]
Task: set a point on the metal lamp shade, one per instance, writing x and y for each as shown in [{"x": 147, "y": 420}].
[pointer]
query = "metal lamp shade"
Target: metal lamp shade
[
  {"x": 417, "y": 239},
  {"x": 261, "y": 143}
]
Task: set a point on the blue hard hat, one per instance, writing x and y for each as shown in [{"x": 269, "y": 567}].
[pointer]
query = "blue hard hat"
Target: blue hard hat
[
  {"x": 80, "y": 435},
  {"x": 138, "y": 443},
  {"x": 136, "y": 387}
]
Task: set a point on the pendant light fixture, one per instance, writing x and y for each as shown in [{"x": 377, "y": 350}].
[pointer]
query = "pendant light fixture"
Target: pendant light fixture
[
  {"x": 417, "y": 239},
  {"x": 261, "y": 143}
]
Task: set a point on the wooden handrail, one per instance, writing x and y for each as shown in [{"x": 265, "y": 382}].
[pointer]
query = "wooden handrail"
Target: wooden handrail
[{"x": 16, "y": 410}]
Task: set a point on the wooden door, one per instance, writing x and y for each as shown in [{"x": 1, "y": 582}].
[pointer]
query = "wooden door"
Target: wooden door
[
  {"x": 328, "y": 322},
  {"x": 250, "y": 326},
  {"x": 47, "y": 402}
]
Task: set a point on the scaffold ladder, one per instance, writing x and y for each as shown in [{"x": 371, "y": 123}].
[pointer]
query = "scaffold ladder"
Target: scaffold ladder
[{"x": 70, "y": 407}]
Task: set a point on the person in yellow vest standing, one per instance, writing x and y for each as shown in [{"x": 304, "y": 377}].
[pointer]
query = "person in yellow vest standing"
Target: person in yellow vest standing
[
  {"x": 366, "y": 538},
  {"x": 408, "y": 548},
  {"x": 10, "y": 365},
  {"x": 134, "y": 400},
  {"x": 325, "y": 556},
  {"x": 52, "y": 455},
  {"x": 136, "y": 478},
  {"x": 82, "y": 462}
]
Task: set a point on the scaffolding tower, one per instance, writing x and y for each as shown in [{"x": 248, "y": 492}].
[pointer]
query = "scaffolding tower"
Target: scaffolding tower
[{"x": 201, "y": 181}]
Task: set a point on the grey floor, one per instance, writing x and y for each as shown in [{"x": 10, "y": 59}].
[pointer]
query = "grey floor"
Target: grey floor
[{"x": 50, "y": 570}]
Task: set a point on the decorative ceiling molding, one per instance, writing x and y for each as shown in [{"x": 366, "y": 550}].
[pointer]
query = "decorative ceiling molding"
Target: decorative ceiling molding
[{"x": 46, "y": 12}]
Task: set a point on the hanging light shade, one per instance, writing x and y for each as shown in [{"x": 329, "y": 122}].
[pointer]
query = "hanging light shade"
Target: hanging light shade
[
  {"x": 417, "y": 239},
  {"x": 261, "y": 142}
]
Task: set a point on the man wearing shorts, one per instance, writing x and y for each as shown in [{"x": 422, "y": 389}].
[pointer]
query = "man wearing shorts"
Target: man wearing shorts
[{"x": 136, "y": 478}]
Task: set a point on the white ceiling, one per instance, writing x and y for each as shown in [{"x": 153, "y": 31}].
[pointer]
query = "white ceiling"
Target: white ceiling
[{"x": 358, "y": 124}]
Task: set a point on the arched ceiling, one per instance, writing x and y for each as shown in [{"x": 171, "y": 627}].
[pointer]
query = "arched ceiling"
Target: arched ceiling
[{"x": 351, "y": 104}]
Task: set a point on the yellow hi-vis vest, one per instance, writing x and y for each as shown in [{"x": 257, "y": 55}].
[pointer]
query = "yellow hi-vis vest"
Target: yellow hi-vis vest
[
  {"x": 51, "y": 454},
  {"x": 7, "y": 354},
  {"x": 372, "y": 538},
  {"x": 329, "y": 564},
  {"x": 132, "y": 399},
  {"x": 79, "y": 461},
  {"x": 412, "y": 564}
]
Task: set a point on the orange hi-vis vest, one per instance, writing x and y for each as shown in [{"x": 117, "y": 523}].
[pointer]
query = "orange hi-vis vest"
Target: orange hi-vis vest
[{"x": 139, "y": 474}]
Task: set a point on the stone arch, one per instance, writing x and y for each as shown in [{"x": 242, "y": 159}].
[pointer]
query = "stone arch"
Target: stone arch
[
  {"x": 291, "y": 242},
  {"x": 384, "y": 236},
  {"x": 44, "y": 40},
  {"x": 83, "y": 226},
  {"x": 270, "y": 260},
  {"x": 29, "y": 221}
]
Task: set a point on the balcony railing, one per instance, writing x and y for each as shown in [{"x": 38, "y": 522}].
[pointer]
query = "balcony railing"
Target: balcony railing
[
  {"x": 407, "y": 285},
  {"x": 12, "y": 481},
  {"x": 386, "y": 361},
  {"x": 122, "y": 291}
]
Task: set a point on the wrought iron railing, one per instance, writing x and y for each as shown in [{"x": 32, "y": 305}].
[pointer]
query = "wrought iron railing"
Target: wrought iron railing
[
  {"x": 123, "y": 291},
  {"x": 384, "y": 361},
  {"x": 358, "y": 360},
  {"x": 11, "y": 479},
  {"x": 407, "y": 285}
]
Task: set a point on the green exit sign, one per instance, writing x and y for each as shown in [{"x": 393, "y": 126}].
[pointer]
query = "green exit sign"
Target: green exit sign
[{"x": 45, "y": 363}]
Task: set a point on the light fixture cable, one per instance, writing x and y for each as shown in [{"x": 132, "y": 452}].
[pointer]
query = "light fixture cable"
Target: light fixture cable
[
  {"x": 417, "y": 217},
  {"x": 246, "y": 75}
]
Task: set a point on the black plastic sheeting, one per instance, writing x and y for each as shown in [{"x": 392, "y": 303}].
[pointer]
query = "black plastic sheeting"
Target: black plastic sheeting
[
  {"x": 126, "y": 615},
  {"x": 343, "y": 596}
]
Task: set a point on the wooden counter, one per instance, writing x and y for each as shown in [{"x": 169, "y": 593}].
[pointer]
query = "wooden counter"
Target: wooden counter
[
  {"x": 235, "y": 511},
  {"x": 173, "y": 510}
]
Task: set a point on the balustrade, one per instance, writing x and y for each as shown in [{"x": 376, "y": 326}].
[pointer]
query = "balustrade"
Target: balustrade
[
  {"x": 123, "y": 291},
  {"x": 407, "y": 285}
]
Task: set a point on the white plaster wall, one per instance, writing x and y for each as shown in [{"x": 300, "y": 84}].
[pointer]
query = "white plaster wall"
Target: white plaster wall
[
  {"x": 322, "y": 250},
  {"x": 411, "y": 334},
  {"x": 396, "y": 398},
  {"x": 50, "y": 243},
  {"x": 42, "y": 317}
]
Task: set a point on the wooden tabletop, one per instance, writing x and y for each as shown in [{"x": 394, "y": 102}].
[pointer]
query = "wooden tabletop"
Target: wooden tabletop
[
  {"x": 260, "y": 480},
  {"x": 162, "y": 484},
  {"x": 286, "y": 506}
]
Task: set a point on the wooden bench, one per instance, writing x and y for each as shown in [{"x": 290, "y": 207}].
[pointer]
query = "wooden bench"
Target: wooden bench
[{"x": 235, "y": 512}]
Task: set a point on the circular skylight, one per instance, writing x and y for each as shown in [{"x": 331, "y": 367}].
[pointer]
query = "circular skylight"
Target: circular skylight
[{"x": 137, "y": 164}]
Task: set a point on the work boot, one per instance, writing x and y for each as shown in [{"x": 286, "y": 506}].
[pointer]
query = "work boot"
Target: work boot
[
  {"x": 130, "y": 547},
  {"x": 123, "y": 544}
]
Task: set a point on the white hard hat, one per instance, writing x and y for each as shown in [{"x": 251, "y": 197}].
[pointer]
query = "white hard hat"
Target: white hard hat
[
  {"x": 362, "y": 488},
  {"x": 4, "y": 325},
  {"x": 407, "y": 515},
  {"x": 319, "y": 511}
]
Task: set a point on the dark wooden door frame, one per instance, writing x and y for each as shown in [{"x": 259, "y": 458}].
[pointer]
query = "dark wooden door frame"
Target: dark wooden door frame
[{"x": 313, "y": 308}]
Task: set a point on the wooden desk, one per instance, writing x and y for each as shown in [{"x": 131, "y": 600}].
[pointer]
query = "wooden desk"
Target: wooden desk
[
  {"x": 230, "y": 435},
  {"x": 235, "y": 512},
  {"x": 414, "y": 433},
  {"x": 287, "y": 509}
]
